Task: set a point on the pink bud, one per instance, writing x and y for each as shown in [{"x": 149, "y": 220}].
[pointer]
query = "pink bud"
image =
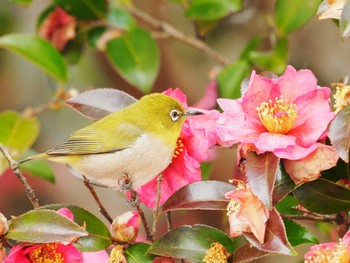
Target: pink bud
[
  {"x": 3, "y": 225},
  {"x": 2, "y": 254},
  {"x": 125, "y": 227}
]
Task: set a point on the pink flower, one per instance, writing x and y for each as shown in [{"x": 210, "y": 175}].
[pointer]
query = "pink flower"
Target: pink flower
[
  {"x": 330, "y": 252},
  {"x": 58, "y": 28},
  {"x": 246, "y": 213},
  {"x": 285, "y": 115},
  {"x": 125, "y": 227},
  {"x": 53, "y": 252},
  {"x": 197, "y": 136}
]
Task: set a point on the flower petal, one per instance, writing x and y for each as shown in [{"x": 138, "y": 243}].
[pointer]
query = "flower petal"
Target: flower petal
[
  {"x": 269, "y": 142},
  {"x": 295, "y": 152}
]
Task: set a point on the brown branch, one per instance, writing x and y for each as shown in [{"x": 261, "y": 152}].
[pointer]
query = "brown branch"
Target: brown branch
[
  {"x": 14, "y": 166},
  {"x": 169, "y": 221},
  {"x": 156, "y": 205},
  {"x": 102, "y": 209},
  {"x": 315, "y": 218},
  {"x": 178, "y": 35}
]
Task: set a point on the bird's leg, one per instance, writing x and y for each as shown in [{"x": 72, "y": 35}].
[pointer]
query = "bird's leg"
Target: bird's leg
[{"x": 125, "y": 183}]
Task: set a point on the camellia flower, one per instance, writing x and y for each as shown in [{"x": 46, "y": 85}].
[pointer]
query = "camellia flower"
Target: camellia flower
[
  {"x": 330, "y": 9},
  {"x": 197, "y": 136},
  {"x": 125, "y": 227},
  {"x": 246, "y": 213},
  {"x": 286, "y": 116},
  {"x": 330, "y": 252},
  {"x": 58, "y": 28},
  {"x": 52, "y": 252}
]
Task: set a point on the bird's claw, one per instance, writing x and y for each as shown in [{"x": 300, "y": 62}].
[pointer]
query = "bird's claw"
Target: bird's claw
[
  {"x": 125, "y": 183},
  {"x": 134, "y": 199}
]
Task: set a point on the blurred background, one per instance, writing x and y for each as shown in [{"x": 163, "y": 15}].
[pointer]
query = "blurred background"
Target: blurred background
[{"x": 317, "y": 46}]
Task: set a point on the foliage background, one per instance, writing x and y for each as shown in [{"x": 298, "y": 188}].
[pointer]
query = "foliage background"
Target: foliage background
[{"x": 317, "y": 46}]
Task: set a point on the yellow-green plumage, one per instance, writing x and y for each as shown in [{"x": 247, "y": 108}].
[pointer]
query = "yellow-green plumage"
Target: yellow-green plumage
[{"x": 138, "y": 141}]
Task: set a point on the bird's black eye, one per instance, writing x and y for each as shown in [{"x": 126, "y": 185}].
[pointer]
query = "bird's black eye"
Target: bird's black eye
[{"x": 175, "y": 115}]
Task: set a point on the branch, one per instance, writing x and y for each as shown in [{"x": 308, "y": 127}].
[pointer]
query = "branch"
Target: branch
[
  {"x": 180, "y": 36},
  {"x": 102, "y": 209},
  {"x": 14, "y": 166},
  {"x": 156, "y": 205},
  {"x": 315, "y": 218}
]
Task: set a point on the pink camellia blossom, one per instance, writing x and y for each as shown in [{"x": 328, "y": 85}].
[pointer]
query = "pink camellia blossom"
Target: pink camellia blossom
[
  {"x": 197, "y": 136},
  {"x": 125, "y": 227},
  {"x": 330, "y": 252},
  {"x": 246, "y": 213},
  {"x": 286, "y": 116},
  {"x": 53, "y": 252}
]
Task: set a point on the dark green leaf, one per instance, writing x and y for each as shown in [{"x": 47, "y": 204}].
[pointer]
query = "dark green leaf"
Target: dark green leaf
[
  {"x": 274, "y": 60},
  {"x": 44, "y": 15},
  {"x": 261, "y": 173},
  {"x": 190, "y": 242},
  {"x": 98, "y": 234},
  {"x": 297, "y": 234},
  {"x": 84, "y": 9},
  {"x": 135, "y": 57},
  {"x": 338, "y": 172},
  {"x": 206, "y": 170},
  {"x": 204, "y": 195},
  {"x": 286, "y": 204},
  {"x": 251, "y": 45},
  {"x": 137, "y": 253},
  {"x": 94, "y": 35},
  {"x": 291, "y": 15},
  {"x": 74, "y": 48},
  {"x": 275, "y": 236},
  {"x": 44, "y": 226},
  {"x": 283, "y": 184},
  {"x": 230, "y": 78},
  {"x": 339, "y": 133},
  {"x": 119, "y": 18},
  {"x": 17, "y": 134},
  {"x": 344, "y": 21},
  {"x": 323, "y": 196},
  {"x": 38, "y": 168},
  {"x": 37, "y": 51}
]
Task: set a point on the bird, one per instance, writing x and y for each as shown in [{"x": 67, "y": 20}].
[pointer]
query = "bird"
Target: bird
[{"x": 138, "y": 142}]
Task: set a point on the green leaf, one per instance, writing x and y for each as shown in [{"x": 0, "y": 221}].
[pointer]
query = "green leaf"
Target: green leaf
[
  {"x": 208, "y": 10},
  {"x": 323, "y": 196},
  {"x": 291, "y": 15},
  {"x": 230, "y": 78},
  {"x": 206, "y": 170},
  {"x": 43, "y": 226},
  {"x": 137, "y": 253},
  {"x": 247, "y": 253},
  {"x": 261, "y": 173},
  {"x": 286, "y": 204},
  {"x": 84, "y": 9},
  {"x": 98, "y": 234},
  {"x": 17, "y": 134},
  {"x": 339, "y": 133},
  {"x": 283, "y": 184},
  {"x": 38, "y": 51},
  {"x": 190, "y": 242},
  {"x": 119, "y": 18},
  {"x": 38, "y": 168},
  {"x": 204, "y": 195},
  {"x": 344, "y": 21},
  {"x": 94, "y": 35},
  {"x": 274, "y": 60},
  {"x": 297, "y": 234},
  {"x": 135, "y": 57}
]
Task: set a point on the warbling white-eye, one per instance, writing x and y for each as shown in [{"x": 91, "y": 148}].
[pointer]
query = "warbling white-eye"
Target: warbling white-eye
[{"x": 137, "y": 141}]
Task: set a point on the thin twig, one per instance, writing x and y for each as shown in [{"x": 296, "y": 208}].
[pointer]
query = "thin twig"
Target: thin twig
[
  {"x": 315, "y": 218},
  {"x": 14, "y": 166},
  {"x": 180, "y": 36},
  {"x": 133, "y": 197},
  {"x": 169, "y": 221},
  {"x": 102, "y": 209},
  {"x": 156, "y": 205}
]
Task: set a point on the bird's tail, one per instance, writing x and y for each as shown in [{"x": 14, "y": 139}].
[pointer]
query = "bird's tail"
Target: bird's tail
[{"x": 34, "y": 157}]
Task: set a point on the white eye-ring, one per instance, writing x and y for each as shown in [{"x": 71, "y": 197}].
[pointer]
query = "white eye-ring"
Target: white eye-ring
[{"x": 175, "y": 115}]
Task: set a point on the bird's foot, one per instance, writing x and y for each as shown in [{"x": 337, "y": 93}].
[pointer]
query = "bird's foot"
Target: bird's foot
[
  {"x": 125, "y": 183},
  {"x": 134, "y": 198}
]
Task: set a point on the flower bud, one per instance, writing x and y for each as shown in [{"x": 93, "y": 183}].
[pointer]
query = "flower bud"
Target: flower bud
[
  {"x": 3, "y": 225},
  {"x": 125, "y": 227},
  {"x": 2, "y": 254}
]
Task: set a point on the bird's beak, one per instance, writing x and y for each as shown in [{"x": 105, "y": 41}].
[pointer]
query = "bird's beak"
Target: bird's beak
[{"x": 192, "y": 113}]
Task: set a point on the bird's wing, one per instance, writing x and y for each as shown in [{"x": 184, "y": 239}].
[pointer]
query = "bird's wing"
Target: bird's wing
[{"x": 95, "y": 141}]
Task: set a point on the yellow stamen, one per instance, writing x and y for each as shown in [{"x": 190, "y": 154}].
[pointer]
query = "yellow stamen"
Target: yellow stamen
[
  {"x": 117, "y": 255},
  {"x": 277, "y": 116},
  {"x": 338, "y": 254},
  {"x": 216, "y": 253},
  {"x": 233, "y": 207},
  {"x": 341, "y": 96},
  {"x": 46, "y": 254},
  {"x": 179, "y": 147}
]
